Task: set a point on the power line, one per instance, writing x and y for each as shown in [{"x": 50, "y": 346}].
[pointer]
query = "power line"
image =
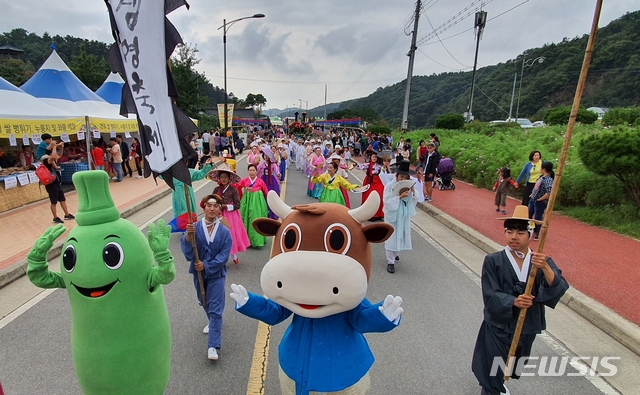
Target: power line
[
  {"x": 423, "y": 41},
  {"x": 454, "y": 20},
  {"x": 443, "y": 46},
  {"x": 436, "y": 62}
]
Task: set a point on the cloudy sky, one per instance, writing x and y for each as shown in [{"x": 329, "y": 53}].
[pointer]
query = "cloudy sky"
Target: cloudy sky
[{"x": 351, "y": 46}]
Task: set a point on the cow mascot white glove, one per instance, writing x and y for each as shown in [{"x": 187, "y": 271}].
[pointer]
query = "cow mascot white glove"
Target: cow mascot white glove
[{"x": 319, "y": 271}]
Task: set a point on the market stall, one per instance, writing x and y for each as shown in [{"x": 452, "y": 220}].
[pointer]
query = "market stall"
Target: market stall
[{"x": 19, "y": 187}]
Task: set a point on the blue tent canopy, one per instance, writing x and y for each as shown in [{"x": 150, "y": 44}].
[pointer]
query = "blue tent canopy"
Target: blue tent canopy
[{"x": 111, "y": 89}]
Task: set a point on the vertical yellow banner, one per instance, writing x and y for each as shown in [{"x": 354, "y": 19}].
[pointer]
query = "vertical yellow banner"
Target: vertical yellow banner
[{"x": 229, "y": 114}]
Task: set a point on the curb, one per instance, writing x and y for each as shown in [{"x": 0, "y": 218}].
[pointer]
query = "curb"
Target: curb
[
  {"x": 607, "y": 320},
  {"x": 19, "y": 268}
]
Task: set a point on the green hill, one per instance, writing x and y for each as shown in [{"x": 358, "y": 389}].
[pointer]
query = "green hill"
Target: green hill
[{"x": 613, "y": 81}]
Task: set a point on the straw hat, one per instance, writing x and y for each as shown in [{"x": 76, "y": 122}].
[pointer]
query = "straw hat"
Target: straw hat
[
  {"x": 267, "y": 151},
  {"x": 521, "y": 213},
  {"x": 224, "y": 167}
]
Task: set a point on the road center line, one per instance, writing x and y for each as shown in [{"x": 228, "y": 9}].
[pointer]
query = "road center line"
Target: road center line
[{"x": 260, "y": 359}]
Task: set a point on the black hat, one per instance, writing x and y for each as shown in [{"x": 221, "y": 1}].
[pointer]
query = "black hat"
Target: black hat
[{"x": 403, "y": 167}]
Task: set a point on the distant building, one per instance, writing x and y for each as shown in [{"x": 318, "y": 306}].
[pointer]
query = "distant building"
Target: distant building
[
  {"x": 7, "y": 51},
  {"x": 599, "y": 110}
]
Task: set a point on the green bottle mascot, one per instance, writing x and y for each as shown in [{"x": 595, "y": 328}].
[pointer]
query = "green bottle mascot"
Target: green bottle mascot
[{"x": 120, "y": 334}]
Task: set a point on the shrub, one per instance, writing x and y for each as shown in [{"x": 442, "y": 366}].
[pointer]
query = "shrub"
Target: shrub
[
  {"x": 560, "y": 116},
  {"x": 615, "y": 152},
  {"x": 450, "y": 121},
  {"x": 622, "y": 116},
  {"x": 378, "y": 129}
]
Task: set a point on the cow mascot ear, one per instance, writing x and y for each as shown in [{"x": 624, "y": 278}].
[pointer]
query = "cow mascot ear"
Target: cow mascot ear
[
  {"x": 266, "y": 226},
  {"x": 378, "y": 233},
  {"x": 319, "y": 271}
]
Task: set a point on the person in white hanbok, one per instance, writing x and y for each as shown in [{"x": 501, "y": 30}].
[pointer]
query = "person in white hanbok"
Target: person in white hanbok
[{"x": 398, "y": 211}]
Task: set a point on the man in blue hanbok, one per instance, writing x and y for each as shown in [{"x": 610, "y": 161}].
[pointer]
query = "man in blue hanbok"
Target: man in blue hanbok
[{"x": 213, "y": 241}]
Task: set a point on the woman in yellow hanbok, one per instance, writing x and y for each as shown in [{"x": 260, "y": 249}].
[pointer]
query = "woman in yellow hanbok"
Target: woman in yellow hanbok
[{"x": 332, "y": 182}]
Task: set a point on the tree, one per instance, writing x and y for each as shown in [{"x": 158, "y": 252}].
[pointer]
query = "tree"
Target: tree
[
  {"x": 89, "y": 69},
  {"x": 189, "y": 83},
  {"x": 450, "y": 121},
  {"x": 615, "y": 152},
  {"x": 15, "y": 71}
]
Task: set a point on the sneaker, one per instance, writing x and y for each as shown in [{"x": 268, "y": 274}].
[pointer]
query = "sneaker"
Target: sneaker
[
  {"x": 138, "y": 176},
  {"x": 114, "y": 178},
  {"x": 69, "y": 216},
  {"x": 535, "y": 237},
  {"x": 235, "y": 261},
  {"x": 506, "y": 391},
  {"x": 391, "y": 268},
  {"x": 212, "y": 354},
  {"x": 504, "y": 212},
  {"x": 57, "y": 220},
  {"x": 497, "y": 210},
  {"x": 205, "y": 330},
  {"x": 398, "y": 258}
]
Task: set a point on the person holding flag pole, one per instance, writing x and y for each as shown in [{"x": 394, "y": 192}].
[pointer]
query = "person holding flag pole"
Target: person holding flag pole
[{"x": 518, "y": 335}]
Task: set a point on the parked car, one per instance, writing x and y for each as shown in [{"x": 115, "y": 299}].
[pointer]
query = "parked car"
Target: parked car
[
  {"x": 524, "y": 122},
  {"x": 538, "y": 124}
]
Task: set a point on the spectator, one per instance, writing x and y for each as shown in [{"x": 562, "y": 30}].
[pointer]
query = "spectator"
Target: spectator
[
  {"x": 116, "y": 155},
  {"x": 47, "y": 145},
  {"x": 126, "y": 156},
  {"x": 136, "y": 152},
  {"x": 97, "y": 156},
  {"x": 54, "y": 190},
  {"x": 530, "y": 172}
]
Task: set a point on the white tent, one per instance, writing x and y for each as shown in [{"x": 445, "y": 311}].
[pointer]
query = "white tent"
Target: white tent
[
  {"x": 17, "y": 104},
  {"x": 55, "y": 84}
]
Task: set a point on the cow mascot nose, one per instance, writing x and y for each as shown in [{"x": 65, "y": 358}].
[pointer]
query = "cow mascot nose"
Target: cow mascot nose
[{"x": 318, "y": 271}]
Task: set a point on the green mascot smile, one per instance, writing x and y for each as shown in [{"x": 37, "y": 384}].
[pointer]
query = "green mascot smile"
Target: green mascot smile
[{"x": 120, "y": 336}]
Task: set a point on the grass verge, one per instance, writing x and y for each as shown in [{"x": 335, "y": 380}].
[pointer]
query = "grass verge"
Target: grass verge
[{"x": 623, "y": 219}]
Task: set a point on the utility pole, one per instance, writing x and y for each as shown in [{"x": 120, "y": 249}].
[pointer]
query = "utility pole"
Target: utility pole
[
  {"x": 411, "y": 54},
  {"x": 513, "y": 93},
  {"x": 481, "y": 21}
]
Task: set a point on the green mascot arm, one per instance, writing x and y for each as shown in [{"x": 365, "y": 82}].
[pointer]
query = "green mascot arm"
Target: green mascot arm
[
  {"x": 38, "y": 269},
  {"x": 159, "y": 237}
]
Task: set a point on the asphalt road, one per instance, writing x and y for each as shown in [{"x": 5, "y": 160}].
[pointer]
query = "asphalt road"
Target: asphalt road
[{"x": 429, "y": 353}]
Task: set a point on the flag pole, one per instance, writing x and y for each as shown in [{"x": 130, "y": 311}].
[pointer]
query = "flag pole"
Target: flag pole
[
  {"x": 193, "y": 241},
  {"x": 556, "y": 182}
]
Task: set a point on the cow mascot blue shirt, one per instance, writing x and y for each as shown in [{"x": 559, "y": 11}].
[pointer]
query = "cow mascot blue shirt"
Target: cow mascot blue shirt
[{"x": 319, "y": 271}]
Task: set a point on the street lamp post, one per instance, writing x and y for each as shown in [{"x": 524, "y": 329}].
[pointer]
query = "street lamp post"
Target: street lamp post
[
  {"x": 225, "y": 27},
  {"x": 525, "y": 63}
]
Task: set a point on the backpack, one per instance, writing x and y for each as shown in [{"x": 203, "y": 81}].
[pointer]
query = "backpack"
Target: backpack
[{"x": 45, "y": 176}]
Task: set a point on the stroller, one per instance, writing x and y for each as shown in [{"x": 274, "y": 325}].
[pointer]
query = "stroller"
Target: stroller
[{"x": 445, "y": 174}]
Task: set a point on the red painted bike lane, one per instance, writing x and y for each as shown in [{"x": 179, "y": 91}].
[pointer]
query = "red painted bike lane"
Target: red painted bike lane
[{"x": 599, "y": 263}]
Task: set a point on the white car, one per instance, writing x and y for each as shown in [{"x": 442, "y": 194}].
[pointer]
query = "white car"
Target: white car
[
  {"x": 524, "y": 122},
  {"x": 538, "y": 124}
]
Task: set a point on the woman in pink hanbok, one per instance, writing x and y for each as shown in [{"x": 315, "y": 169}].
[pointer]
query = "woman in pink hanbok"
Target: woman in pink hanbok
[
  {"x": 317, "y": 167},
  {"x": 224, "y": 176}
]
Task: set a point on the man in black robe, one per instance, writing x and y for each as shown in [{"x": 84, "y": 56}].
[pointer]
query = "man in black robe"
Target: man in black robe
[{"x": 504, "y": 276}]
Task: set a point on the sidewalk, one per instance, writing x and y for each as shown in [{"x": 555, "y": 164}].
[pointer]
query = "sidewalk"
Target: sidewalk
[
  {"x": 22, "y": 226},
  {"x": 599, "y": 263}
]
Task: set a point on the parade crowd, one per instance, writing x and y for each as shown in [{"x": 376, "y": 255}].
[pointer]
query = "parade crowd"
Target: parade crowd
[{"x": 325, "y": 159}]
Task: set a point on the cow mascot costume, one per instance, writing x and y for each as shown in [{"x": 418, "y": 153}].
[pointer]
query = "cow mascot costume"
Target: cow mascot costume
[{"x": 318, "y": 271}]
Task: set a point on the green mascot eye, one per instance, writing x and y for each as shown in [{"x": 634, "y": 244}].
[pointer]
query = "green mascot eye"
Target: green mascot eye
[
  {"x": 112, "y": 255},
  {"x": 69, "y": 259}
]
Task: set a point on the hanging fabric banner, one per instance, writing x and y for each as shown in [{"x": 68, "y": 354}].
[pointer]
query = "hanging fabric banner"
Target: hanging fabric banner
[{"x": 144, "y": 41}]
